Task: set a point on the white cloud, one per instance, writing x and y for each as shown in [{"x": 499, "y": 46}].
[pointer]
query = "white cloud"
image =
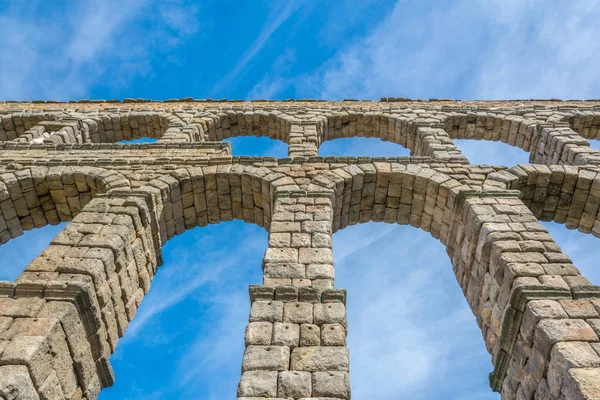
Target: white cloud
[
  {"x": 280, "y": 13},
  {"x": 272, "y": 84},
  {"x": 63, "y": 53},
  {"x": 469, "y": 49},
  {"x": 94, "y": 25},
  {"x": 408, "y": 321},
  {"x": 182, "y": 275}
]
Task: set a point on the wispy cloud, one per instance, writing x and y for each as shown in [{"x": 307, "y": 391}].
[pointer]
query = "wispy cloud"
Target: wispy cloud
[
  {"x": 408, "y": 321},
  {"x": 281, "y": 12},
  {"x": 184, "y": 275},
  {"x": 61, "y": 61},
  {"x": 499, "y": 49},
  {"x": 274, "y": 82}
]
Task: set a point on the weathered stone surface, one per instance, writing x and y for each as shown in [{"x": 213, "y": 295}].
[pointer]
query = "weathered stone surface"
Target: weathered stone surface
[
  {"x": 16, "y": 383},
  {"x": 266, "y": 311},
  {"x": 330, "y": 313},
  {"x": 538, "y": 315},
  {"x": 298, "y": 313},
  {"x": 259, "y": 333},
  {"x": 258, "y": 384},
  {"x": 582, "y": 383},
  {"x": 285, "y": 334},
  {"x": 294, "y": 384},
  {"x": 320, "y": 359},
  {"x": 331, "y": 384},
  {"x": 32, "y": 351},
  {"x": 266, "y": 358}
]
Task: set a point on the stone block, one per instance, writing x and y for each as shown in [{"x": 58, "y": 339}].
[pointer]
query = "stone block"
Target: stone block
[
  {"x": 281, "y": 255},
  {"x": 266, "y": 358},
  {"x": 298, "y": 313},
  {"x": 315, "y": 256},
  {"x": 320, "y": 271},
  {"x": 320, "y": 359},
  {"x": 285, "y": 270},
  {"x": 51, "y": 389},
  {"x": 310, "y": 335},
  {"x": 582, "y": 383},
  {"x": 258, "y": 384},
  {"x": 330, "y": 313},
  {"x": 266, "y": 311},
  {"x": 550, "y": 332},
  {"x": 16, "y": 383},
  {"x": 581, "y": 309},
  {"x": 294, "y": 384},
  {"x": 27, "y": 307},
  {"x": 32, "y": 351},
  {"x": 285, "y": 334},
  {"x": 259, "y": 333},
  {"x": 567, "y": 355},
  {"x": 334, "y": 384},
  {"x": 333, "y": 335}
]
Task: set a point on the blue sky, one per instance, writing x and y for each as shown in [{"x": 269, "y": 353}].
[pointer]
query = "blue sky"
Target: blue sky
[{"x": 187, "y": 340}]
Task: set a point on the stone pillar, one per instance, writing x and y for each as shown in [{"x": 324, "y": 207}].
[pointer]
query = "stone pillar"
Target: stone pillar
[
  {"x": 304, "y": 139},
  {"x": 436, "y": 143},
  {"x": 179, "y": 131},
  {"x": 62, "y": 318},
  {"x": 539, "y": 317},
  {"x": 296, "y": 337}
]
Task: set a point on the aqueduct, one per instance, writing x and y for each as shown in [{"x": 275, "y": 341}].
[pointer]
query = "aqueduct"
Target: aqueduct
[{"x": 62, "y": 318}]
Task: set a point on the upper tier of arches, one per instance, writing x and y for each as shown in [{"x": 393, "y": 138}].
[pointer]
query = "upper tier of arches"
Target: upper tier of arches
[{"x": 550, "y": 136}]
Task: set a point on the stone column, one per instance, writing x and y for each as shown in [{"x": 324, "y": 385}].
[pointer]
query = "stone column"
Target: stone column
[
  {"x": 304, "y": 139},
  {"x": 296, "y": 337},
  {"x": 538, "y": 315},
  {"x": 179, "y": 131},
  {"x": 62, "y": 318},
  {"x": 433, "y": 141}
]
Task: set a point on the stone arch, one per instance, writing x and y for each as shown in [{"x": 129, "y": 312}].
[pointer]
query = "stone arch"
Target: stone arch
[
  {"x": 219, "y": 124},
  {"x": 105, "y": 126},
  {"x": 550, "y": 137},
  {"x": 585, "y": 122},
  {"x": 564, "y": 194},
  {"x": 518, "y": 283},
  {"x": 196, "y": 196},
  {"x": 78, "y": 296},
  {"x": 33, "y": 197},
  {"x": 421, "y": 133}
]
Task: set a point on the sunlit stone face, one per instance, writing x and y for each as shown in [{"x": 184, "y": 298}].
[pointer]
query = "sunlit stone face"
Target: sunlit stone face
[{"x": 127, "y": 181}]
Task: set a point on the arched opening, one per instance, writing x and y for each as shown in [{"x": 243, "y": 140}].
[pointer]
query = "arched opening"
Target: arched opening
[
  {"x": 187, "y": 339},
  {"x": 361, "y": 146},
  {"x": 257, "y": 146},
  {"x": 595, "y": 144},
  {"x": 409, "y": 315},
  {"x": 580, "y": 247},
  {"x": 138, "y": 141},
  {"x": 41, "y": 196},
  {"x": 564, "y": 194},
  {"x": 19, "y": 252},
  {"x": 491, "y": 152}
]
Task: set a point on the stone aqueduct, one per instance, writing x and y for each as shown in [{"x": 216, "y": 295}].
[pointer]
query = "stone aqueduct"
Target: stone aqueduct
[{"x": 63, "y": 316}]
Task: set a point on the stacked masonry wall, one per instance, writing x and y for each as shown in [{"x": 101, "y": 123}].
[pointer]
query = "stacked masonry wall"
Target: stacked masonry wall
[{"x": 63, "y": 316}]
